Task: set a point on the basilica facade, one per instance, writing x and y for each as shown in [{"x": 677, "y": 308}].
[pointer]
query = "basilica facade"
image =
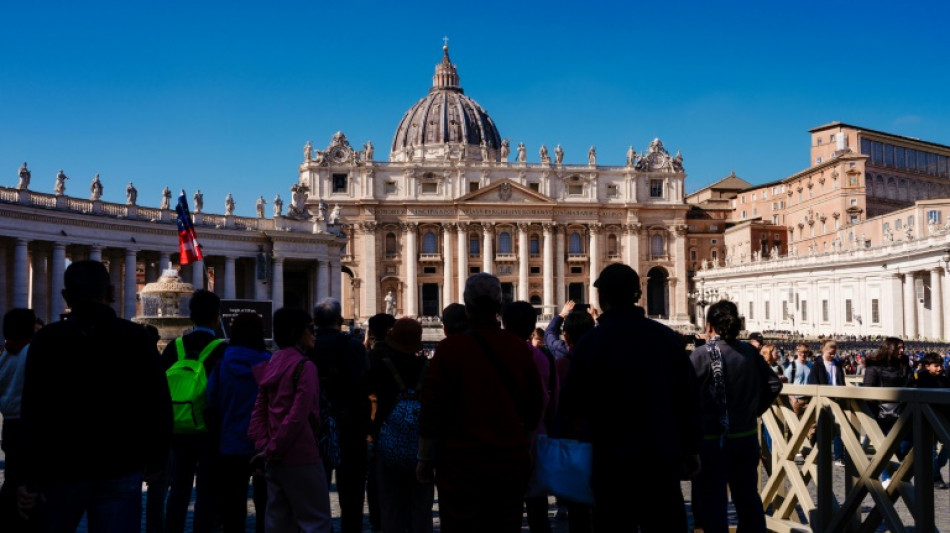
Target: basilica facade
[{"x": 454, "y": 198}]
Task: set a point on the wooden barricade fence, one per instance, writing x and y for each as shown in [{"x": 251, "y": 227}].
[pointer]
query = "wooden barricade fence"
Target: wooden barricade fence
[{"x": 798, "y": 475}]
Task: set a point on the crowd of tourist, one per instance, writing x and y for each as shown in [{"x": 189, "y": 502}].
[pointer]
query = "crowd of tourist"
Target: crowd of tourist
[{"x": 92, "y": 411}]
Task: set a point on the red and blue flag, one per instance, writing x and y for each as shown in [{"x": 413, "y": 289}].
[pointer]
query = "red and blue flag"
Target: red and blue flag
[{"x": 188, "y": 245}]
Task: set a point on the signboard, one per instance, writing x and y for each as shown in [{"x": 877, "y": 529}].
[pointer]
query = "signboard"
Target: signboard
[{"x": 232, "y": 308}]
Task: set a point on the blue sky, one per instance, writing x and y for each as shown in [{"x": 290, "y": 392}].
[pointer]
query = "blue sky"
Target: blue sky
[{"x": 222, "y": 96}]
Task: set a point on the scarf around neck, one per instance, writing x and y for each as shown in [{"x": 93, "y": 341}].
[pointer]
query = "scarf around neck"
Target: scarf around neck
[{"x": 719, "y": 386}]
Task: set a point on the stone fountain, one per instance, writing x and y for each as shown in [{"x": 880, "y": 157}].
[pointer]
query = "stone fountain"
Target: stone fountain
[{"x": 165, "y": 306}]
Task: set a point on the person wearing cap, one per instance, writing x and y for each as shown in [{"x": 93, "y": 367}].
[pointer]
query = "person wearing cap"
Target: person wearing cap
[
  {"x": 630, "y": 386},
  {"x": 405, "y": 504},
  {"x": 481, "y": 399},
  {"x": 757, "y": 340},
  {"x": 453, "y": 319}
]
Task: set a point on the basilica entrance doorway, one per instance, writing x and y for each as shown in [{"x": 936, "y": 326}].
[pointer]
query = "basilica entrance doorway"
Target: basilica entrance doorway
[
  {"x": 658, "y": 293},
  {"x": 430, "y": 299}
]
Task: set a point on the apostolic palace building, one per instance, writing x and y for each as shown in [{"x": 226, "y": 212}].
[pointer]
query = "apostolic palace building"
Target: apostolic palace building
[{"x": 856, "y": 243}]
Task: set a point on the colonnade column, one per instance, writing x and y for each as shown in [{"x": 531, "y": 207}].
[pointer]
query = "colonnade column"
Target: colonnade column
[
  {"x": 128, "y": 309},
  {"x": 936, "y": 304},
  {"x": 910, "y": 307},
  {"x": 447, "y": 230},
  {"x": 198, "y": 274},
  {"x": 95, "y": 253},
  {"x": 163, "y": 259},
  {"x": 370, "y": 284},
  {"x": 3, "y": 280},
  {"x": 40, "y": 275},
  {"x": 523, "y": 261},
  {"x": 547, "y": 268},
  {"x": 594, "y": 250},
  {"x": 277, "y": 288},
  {"x": 21, "y": 285},
  {"x": 461, "y": 235},
  {"x": 487, "y": 249},
  {"x": 559, "y": 236},
  {"x": 230, "y": 289},
  {"x": 115, "y": 278},
  {"x": 57, "y": 270},
  {"x": 323, "y": 281},
  {"x": 412, "y": 282}
]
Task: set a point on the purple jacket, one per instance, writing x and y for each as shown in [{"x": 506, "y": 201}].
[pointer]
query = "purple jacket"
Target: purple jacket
[{"x": 280, "y": 424}]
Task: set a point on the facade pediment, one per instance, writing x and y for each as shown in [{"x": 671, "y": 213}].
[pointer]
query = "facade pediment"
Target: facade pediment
[{"x": 505, "y": 191}]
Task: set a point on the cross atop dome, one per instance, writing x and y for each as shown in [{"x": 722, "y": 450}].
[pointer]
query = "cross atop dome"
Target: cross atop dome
[{"x": 446, "y": 75}]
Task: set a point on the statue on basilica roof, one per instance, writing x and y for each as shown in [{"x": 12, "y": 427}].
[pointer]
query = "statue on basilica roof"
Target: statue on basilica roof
[
  {"x": 558, "y": 154},
  {"x": 166, "y": 198},
  {"x": 505, "y": 150},
  {"x": 368, "y": 151},
  {"x": 229, "y": 205},
  {"x": 24, "y": 175},
  {"x": 278, "y": 206},
  {"x": 592, "y": 156},
  {"x": 199, "y": 201},
  {"x": 260, "y": 206},
  {"x": 131, "y": 194},
  {"x": 95, "y": 188},
  {"x": 545, "y": 158},
  {"x": 308, "y": 151},
  {"x": 522, "y": 153},
  {"x": 631, "y": 156},
  {"x": 60, "y": 187}
]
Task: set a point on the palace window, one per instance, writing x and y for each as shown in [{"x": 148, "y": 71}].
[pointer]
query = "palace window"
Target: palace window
[
  {"x": 804, "y": 304},
  {"x": 824, "y": 310},
  {"x": 657, "y": 246},
  {"x": 933, "y": 217},
  {"x": 504, "y": 243},
  {"x": 848, "y": 311},
  {"x": 575, "y": 190},
  {"x": 429, "y": 243},
  {"x": 575, "y": 244},
  {"x": 474, "y": 269},
  {"x": 430, "y": 188},
  {"x": 766, "y": 309},
  {"x": 612, "y": 191},
  {"x": 692, "y": 254},
  {"x": 429, "y": 270},
  {"x": 784, "y": 310},
  {"x": 875, "y": 311},
  {"x": 504, "y": 270},
  {"x": 656, "y": 189},
  {"x": 751, "y": 316},
  {"x": 339, "y": 183}
]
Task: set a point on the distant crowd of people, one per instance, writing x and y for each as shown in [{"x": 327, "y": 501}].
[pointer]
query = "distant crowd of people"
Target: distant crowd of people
[{"x": 92, "y": 411}]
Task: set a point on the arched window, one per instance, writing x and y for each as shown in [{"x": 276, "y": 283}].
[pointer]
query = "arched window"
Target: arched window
[
  {"x": 612, "y": 247},
  {"x": 575, "y": 244},
  {"x": 657, "y": 246},
  {"x": 504, "y": 243},
  {"x": 391, "y": 244},
  {"x": 429, "y": 243}
]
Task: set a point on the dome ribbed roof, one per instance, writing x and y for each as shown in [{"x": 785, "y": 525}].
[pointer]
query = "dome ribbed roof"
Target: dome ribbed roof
[{"x": 446, "y": 124}]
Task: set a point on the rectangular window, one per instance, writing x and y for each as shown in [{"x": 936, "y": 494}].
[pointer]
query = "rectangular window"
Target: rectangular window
[
  {"x": 535, "y": 186},
  {"x": 535, "y": 270},
  {"x": 848, "y": 312},
  {"x": 430, "y": 188},
  {"x": 804, "y": 305},
  {"x": 888, "y": 155},
  {"x": 575, "y": 190},
  {"x": 784, "y": 310},
  {"x": 714, "y": 241},
  {"x": 824, "y": 310},
  {"x": 865, "y": 147},
  {"x": 474, "y": 270},
  {"x": 898, "y": 224},
  {"x": 504, "y": 270},
  {"x": 656, "y": 188},
  {"x": 899, "y": 157},
  {"x": 831, "y": 138},
  {"x": 933, "y": 216},
  {"x": 751, "y": 317},
  {"x": 339, "y": 183},
  {"x": 714, "y": 255},
  {"x": 877, "y": 153},
  {"x": 612, "y": 191},
  {"x": 714, "y": 227},
  {"x": 472, "y": 186},
  {"x": 473, "y": 246},
  {"x": 428, "y": 270},
  {"x": 767, "y": 310},
  {"x": 875, "y": 311},
  {"x": 390, "y": 187},
  {"x": 577, "y": 270},
  {"x": 692, "y": 255}
]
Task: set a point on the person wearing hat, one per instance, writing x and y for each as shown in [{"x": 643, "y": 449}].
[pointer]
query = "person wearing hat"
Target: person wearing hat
[
  {"x": 631, "y": 387},
  {"x": 756, "y": 339},
  {"x": 405, "y": 504}
]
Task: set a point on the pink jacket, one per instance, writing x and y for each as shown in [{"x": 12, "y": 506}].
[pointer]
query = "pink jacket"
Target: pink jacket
[{"x": 280, "y": 424}]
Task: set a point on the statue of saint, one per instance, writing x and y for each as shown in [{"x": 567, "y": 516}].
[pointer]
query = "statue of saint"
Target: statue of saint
[
  {"x": 631, "y": 155},
  {"x": 522, "y": 154},
  {"x": 335, "y": 214},
  {"x": 60, "y": 188},
  {"x": 323, "y": 210},
  {"x": 131, "y": 194},
  {"x": 278, "y": 206},
  {"x": 24, "y": 175},
  {"x": 592, "y": 156},
  {"x": 260, "y": 206},
  {"x": 368, "y": 151},
  {"x": 506, "y": 149},
  {"x": 484, "y": 148},
  {"x": 543, "y": 152},
  {"x": 390, "y": 303},
  {"x": 166, "y": 198},
  {"x": 229, "y": 205},
  {"x": 95, "y": 189},
  {"x": 558, "y": 154},
  {"x": 199, "y": 201},
  {"x": 308, "y": 151}
]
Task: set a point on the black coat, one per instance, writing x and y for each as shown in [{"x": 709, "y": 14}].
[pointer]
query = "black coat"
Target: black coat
[{"x": 819, "y": 374}]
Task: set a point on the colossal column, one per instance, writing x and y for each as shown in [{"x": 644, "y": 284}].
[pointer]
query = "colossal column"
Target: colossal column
[
  {"x": 559, "y": 288},
  {"x": 370, "y": 283},
  {"x": 523, "y": 261},
  {"x": 230, "y": 285},
  {"x": 547, "y": 268},
  {"x": 447, "y": 297},
  {"x": 40, "y": 280},
  {"x": 412, "y": 282},
  {"x": 336, "y": 279},
  {"x": 21, "y": 271},
  {"x": 277, "y": 285},
  {"x": 57, "y": 270},
  {"x": 487, "y": 251},
  {"x": 631, "y": 250},
  {"x": 461, "y": 235},
  {"x": 115, "y": 277},
  {"x": 594, "y": 251},
  {"x": 323, "y": 280},
  {"x": 128, "y": 309}
]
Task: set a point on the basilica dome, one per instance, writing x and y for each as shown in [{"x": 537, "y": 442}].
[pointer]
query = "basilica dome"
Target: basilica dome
[{"x": 446, "y": 124}]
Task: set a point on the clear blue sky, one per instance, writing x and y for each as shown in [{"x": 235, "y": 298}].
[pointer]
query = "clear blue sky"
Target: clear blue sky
[{"x": 222, "y": 96}]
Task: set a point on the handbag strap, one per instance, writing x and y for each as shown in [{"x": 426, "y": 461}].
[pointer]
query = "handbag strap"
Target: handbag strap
[{"x": 501, "y": 369}]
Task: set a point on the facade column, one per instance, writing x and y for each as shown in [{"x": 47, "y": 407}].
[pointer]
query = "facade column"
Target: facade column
[
  {"x": 594, "y": 250},
  {"x": 323, "y": 281},
  {"x": 131, "y": 284},
  {"x": 370, "y": 284},
  {"x": 631, "y": 254},
  {"x": 547, "y": 268},
  {"x": 115, "y": 278},
  {"x": 198, "y": 274},
  {"x": 936, "y": 304},
  {"x": 277, "y": 284},
  {"x": 488, "y": 254},
  {"x": 678, "y": 290},
  {"x": 95, "y": 253},
  {"x": 559, "y": 290},
  {"x": 447, "y": 273},
  {"x": 411, "y": 261},
  {"x": 910, "y": 307},
  {"x": 461, "y": 235},
  {"x": 40, "y": 281},
  {"x": 57, "y": 270},
  {"x": 21, "y": 275},
  {"x": 335, "y": 275},
  {"x": 523, "y": 256},
  {"x": 230, "y": 284}
]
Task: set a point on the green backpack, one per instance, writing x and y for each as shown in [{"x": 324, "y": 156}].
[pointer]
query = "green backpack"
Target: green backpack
[{"x": 187, "y": 383}]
